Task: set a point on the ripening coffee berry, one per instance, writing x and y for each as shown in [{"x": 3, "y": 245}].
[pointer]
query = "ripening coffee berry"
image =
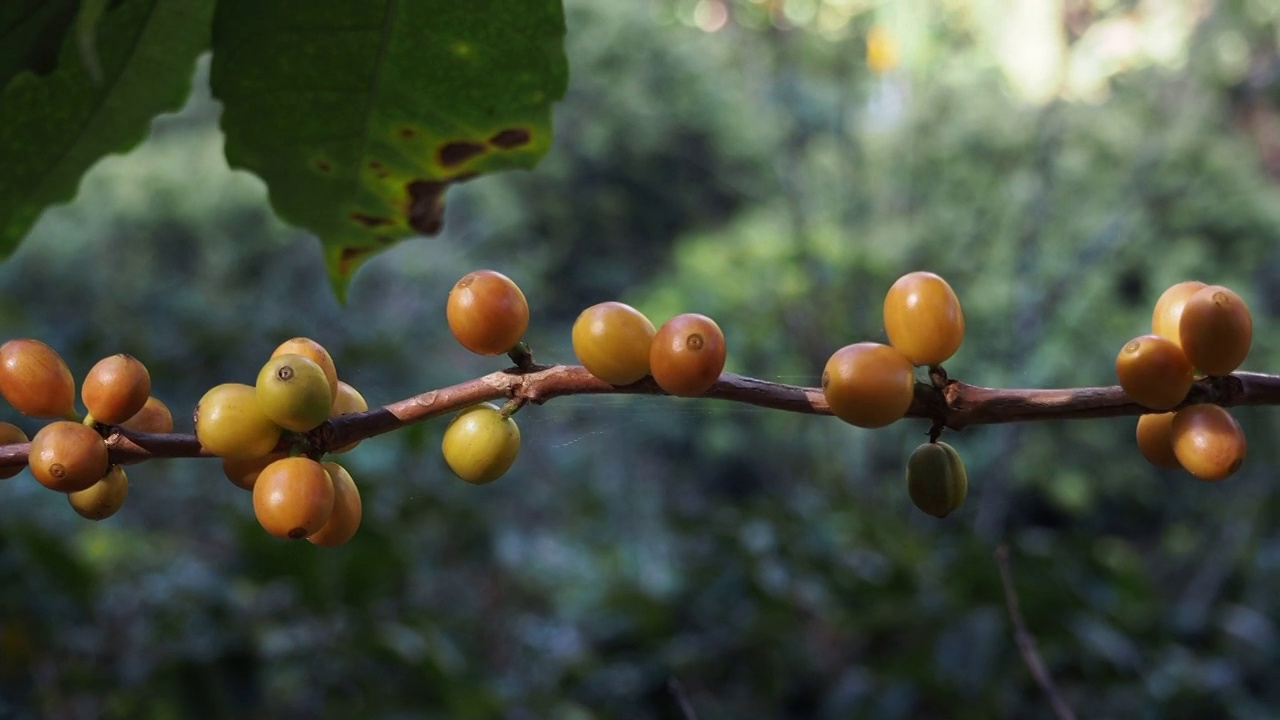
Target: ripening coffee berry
[
  {"x": 231, "y": 424},
  {"x": 347, "y": 401},
  {"x": 1208, "y": 442},
  {"x": 293, "y": 497},
  {"x": 102, "y": 499},
  {"x": 480, "y": 445},
  {"x": 487, "y": 312},
  {"x": 67, "y": 456},
  {"x": 11, "y": 434},
  {"x": 1155, "y": 439},
  {"x": 923, "y": 319},
  {"x": 1167, "y": 314},
  {"x": 308, "y": 348},
  {"x": 243, "y": 472},
  {"x": 868, "y": 384},
  {"x": 294, "y": 392},
  {"x": 1216, "y": 330},
  {"x": 35, "y": 380},
  {"x": 687, "y": 355},
  {"x": 154, "y": 417},
  {"x": 936, "y": 479},
  {"x": 1153, "y": 372},
  {"x": 612, "y": 341},
  {"x": 347, "y": 509},
  {"x": 116, "y": 389}
]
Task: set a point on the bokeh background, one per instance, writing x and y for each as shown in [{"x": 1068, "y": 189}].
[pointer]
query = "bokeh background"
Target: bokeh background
[{"x": 775, "y": 164}]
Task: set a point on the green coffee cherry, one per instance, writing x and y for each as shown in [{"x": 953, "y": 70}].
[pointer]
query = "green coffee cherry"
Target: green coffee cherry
[{"x": 936, "y": 479}]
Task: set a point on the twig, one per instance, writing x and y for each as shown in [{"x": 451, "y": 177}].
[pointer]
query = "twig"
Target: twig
[
  {"x": 1027, "y": 643},
  {"x": 953, "y": 405}
]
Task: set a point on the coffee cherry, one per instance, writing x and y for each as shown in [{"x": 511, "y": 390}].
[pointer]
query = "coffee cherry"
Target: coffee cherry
[
  {"x": 230, "y": 423},
  {"x": 116, "y": 389},
  {"x": 294, "y": 392},
  {"x": 923, "y": 319},
  {"x": 154, "y": 417},
  {"x": 1167, "y": 314},
  {"x": 480, "y": 445},
  {"x": 347, "y": 509},
  {"x": 612, "y": 341},
  {"x": 1155, "y": 439},
  {"x": 293, "y": 497},
  {"x": 936, "y": 479},
  {"x": 687, "y": 355},
  {"x": 308, "y": 348},
  {"x": 67, "y": 456},
  {"x": 347, "y": 401},
  {"x": 487, "y": 313},
  {"x": 102, "y": 499},
  {"x": 243, "y": 473},
  {"x": 11, "y": 434},
  {"x": 868, "y": 384},
  {"x": 1153, "y": 372},
  {"x": 1208, "y": 442},
  {"x": 35, "y": 380},
  {"x": 1216, "y": 330}
]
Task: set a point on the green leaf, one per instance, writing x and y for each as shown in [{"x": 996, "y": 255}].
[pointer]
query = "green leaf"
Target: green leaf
[
  {"x": 53, "y": 128},
  {"x": 31, "y": 31},
  {"x": 360, "y": 115}
]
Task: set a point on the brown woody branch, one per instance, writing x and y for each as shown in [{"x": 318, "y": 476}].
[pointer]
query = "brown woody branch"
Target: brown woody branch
[{"x": 948, "y": 403}]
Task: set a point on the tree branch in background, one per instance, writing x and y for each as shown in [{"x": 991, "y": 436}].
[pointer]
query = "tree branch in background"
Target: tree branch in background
[
  {"x": 1027, "y": 643},
  {"x": 948, "y": 403}
]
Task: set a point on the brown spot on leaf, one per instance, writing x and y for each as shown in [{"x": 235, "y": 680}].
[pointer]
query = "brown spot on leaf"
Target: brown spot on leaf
[
  {"x": 348, "y": 258},
  {"x": 369, "y": 220},
  {"x": 323, "y": 166},
  {"x": 510, "y": 138},
  {"x": 458, "y": 152},
  {"x": 374, "y": 165},
  {"x": 426, "y": 202},
  {"x": 408, "y": 133},
  {"x": 426, "y": 206}
]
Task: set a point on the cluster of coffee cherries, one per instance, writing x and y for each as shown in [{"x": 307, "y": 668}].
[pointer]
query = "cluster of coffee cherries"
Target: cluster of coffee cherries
[
  {"x": 1196, "y": 329},
  {"x": 871, "y": 384},
  {"x": 69, "y": 455},
  {"x": 616, "y": 343},
  {"x": 255, "y": 429}
]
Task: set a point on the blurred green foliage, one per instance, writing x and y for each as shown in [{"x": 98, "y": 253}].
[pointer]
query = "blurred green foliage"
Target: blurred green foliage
[{"x": 771, "y": 563}]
